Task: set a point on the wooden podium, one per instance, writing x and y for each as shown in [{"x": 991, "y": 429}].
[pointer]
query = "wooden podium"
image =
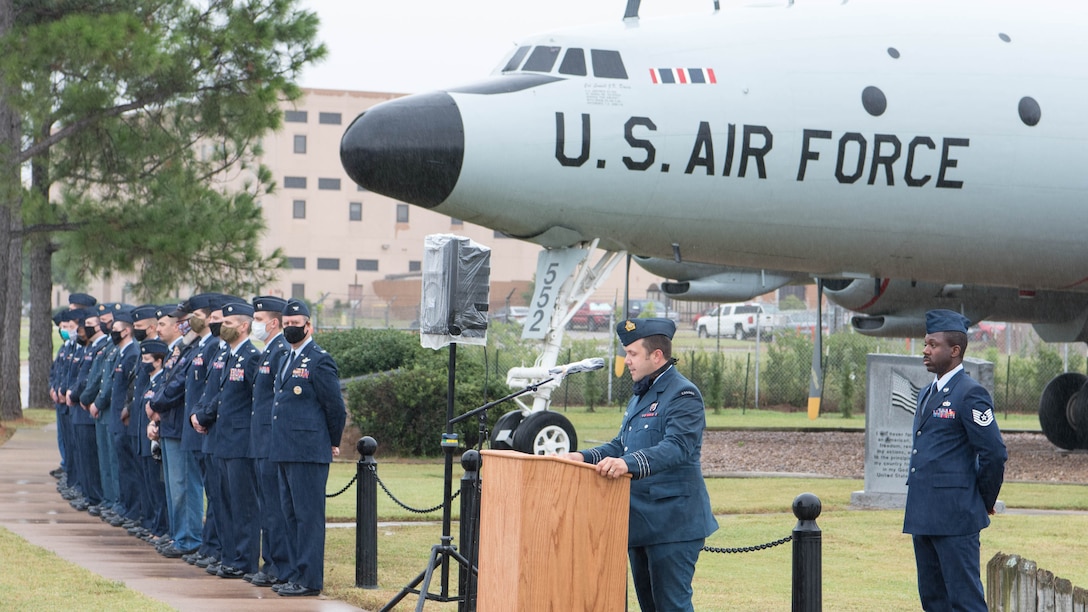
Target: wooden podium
[{"x": 553, "y": 535}]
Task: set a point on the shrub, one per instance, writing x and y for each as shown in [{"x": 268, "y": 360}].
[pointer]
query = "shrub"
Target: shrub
[{"x": 365, "y": 351}]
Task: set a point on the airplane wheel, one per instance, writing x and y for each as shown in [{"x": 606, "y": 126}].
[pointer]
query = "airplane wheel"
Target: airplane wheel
[
  {"x": 545, "y": 433},
  {"x": 738, "y": 333},
  {"x": 1078, "y": 415},
  {"x": 702, "y": 333},
  {"x": 502, "y": 435},
  {"x": 1056, "y": 406}
]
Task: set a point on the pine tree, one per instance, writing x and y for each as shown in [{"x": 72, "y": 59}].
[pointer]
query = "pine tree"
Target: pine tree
[{"x": 140, "y": 122}]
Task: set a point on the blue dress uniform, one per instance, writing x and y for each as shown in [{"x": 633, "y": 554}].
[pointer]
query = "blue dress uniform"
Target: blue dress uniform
[
  {"x": 273, "y": 529},
  {"x": 229, "y": 416},
  {"x": 661, "y": 440},
  {"x": 84, "y": 427},
  {"x": 308, "y": 418},
  {"x": 956, "y": 470},
  {"x": 124, "y": 372},
  {"x": 155, "y": 520}
]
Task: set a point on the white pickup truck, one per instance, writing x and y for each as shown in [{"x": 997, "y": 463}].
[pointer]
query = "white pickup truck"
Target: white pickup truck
[{"x": 740, "y": 321}]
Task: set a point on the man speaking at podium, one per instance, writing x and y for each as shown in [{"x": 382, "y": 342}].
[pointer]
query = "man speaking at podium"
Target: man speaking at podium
[{"x": 659, "y": 444}]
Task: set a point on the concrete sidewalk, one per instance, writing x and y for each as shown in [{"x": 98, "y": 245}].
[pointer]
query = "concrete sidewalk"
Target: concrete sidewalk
[{"x": 31, "y": 507}]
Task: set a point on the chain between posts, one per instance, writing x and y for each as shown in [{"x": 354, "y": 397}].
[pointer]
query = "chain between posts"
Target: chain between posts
[
  {"x": 406, "y": 506},
  {"x": 745, "y": 549}
]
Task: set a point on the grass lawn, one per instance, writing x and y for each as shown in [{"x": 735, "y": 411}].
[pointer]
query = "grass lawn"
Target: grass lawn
[{"x": 867, "y": 562}]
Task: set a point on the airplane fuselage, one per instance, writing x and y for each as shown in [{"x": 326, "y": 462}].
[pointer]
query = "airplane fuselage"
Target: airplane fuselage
[{"x": 929, "y": 141}]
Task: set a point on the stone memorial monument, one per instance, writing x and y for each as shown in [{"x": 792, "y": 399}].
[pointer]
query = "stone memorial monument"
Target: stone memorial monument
[{"x": 891, "y": 398}]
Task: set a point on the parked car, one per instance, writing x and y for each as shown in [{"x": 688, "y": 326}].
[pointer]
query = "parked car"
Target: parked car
[
  {"x": 740, "y": 321},
  {"x": 985, "y": 331},
  {"x": 636, "y": 307},
  {"x": 591, "y": 316},
  {"x": 513, "y": 314}
]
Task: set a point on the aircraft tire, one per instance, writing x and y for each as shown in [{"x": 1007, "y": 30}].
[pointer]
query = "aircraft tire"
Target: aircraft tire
[
  {"x": 545, "y": 433},
  {"x": 1056, "y": 404},
  {"x": 508, "y": 421},
  {"x": 702, "y": 332},
  {"x": 1078, "y": 416},
  {"x": 738, "y": 333}
]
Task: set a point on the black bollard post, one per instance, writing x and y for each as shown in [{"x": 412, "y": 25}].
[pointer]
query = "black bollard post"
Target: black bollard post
[
  {"x": 366, "y": 515},
  {"x": 470, "y": 533},
  {"x": 807, "y": 555}
]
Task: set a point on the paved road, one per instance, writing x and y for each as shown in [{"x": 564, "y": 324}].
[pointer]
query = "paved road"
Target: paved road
[{"x": 31, "y": 507}]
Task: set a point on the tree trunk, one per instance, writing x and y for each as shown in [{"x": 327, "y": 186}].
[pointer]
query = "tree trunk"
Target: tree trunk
[
  {"x": 41, "y": 323},
  {"x": 11, "y": 250}
]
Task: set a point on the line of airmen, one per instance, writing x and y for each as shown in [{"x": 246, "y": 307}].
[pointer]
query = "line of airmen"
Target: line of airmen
[{"x": 159, "y": 407}]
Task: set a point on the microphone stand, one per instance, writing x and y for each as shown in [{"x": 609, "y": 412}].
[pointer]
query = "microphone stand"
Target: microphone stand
[{"x": 471, "y": 461}]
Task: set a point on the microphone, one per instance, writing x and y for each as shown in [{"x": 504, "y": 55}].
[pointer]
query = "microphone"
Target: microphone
[{"x": 585, "y": 365}]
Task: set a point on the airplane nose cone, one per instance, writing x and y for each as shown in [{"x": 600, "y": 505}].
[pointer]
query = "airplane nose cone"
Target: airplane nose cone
[{"x": 409, "y": 149}]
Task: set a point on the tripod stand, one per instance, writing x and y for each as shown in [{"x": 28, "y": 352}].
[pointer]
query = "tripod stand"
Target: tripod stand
[{"x": 442, "y": 552}]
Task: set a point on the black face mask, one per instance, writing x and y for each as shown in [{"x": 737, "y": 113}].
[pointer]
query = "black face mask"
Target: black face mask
[
  {"x": 105, "y": 327},
  {"x": 89, "y": 332},
  {"x": 115, "y": 336},
  {"x": 139, "y": 334},
  {"x": 81, "y": 340},
  {"x": 215, "y": 327},
  {"x": 294, "y": 333}
]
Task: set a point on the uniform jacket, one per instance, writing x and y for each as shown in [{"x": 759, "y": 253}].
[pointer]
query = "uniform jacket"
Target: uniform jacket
[
  {"x": 264, "y": 391},
  {"x": 169, "y": 400},
  {"x": 957, "y": 464},
  {"x": 308, "y": 413},
  {"x": 124, "y": 366},
  {"x": 102, "y": 389},
  {"x": 661, "y": 440},
  {"x": 90, "y": 355},
  {"x": 228, "y": 401},
  {"x": 58, "y": 373},
  {"x": 196, "y": 381}
]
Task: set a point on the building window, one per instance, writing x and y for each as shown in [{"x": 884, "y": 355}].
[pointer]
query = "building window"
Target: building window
[
  {"x": 298, "y": 291},
  {"x": 456, "y": 221},
  {"x": 294, "y": 182},
  {"x": 329, "y": 118},
  {"x": 298, "y": 209},
  {"x": 328, "y": 263},
  {"x": 294, "y": 116},
  {"x": 300, "y": 143},
  {"x": 415, "y": 266},
  {"x": 355, "y": 211},
  {"x": 296, "y": 263},
  {"x": 402, "y": 213},
  {"x": 328, "y": 184},
  {"x": 366, "y": 265}
]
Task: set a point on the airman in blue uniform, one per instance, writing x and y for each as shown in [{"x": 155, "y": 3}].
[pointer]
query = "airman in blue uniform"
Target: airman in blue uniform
[
  {"x": 957, "y": 467},
  {"x": 659, "y": 444},
  {"x": 308, "y": 418}
]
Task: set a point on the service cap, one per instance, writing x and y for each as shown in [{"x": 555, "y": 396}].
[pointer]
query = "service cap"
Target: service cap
[
  {"x": 946, "y": 320},
  {"x": 636, "y": 329}
]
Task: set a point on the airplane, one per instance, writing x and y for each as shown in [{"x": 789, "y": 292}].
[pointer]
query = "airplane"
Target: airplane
[{"x": 905, "y": 154}]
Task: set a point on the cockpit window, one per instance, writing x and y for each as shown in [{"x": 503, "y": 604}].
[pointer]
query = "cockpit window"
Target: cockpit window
[
  {"x": 541, "y": 59},
  {"x": 515, "y": 61},
  {"x": 607, "y": 64},
  {"x": 574, "y": 63}
]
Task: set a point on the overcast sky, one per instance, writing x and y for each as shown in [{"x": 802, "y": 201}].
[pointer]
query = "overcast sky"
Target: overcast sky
[{"x": 407, "y": 46}]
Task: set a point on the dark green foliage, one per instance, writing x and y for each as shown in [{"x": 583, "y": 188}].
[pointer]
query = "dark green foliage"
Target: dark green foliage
[
  {"x": 787, "y": 372},
  {"x": 405, "y": 411},
  {"x": 365, "y": 351}
]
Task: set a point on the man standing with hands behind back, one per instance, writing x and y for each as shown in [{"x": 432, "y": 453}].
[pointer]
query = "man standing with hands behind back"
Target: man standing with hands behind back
[
  {"x": 659, "y": 444},
  {"x": 957, "y": 466}
]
